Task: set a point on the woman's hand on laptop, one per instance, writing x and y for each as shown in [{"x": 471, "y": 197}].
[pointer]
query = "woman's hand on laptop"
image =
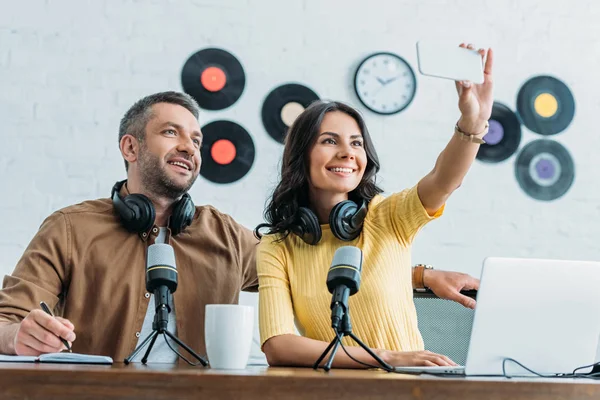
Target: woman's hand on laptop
[
  {"x": 447, "y": 285},
  {"x": 415, "y": 359}
]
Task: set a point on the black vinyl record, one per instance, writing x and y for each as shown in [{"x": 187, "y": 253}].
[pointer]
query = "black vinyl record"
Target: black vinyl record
[
  {"x": 545, "y": 105},
  {"x": 282, "y": 105},
  {"x": 545, "y": 170},
  {"x": 503, "y": 137},
  {"x": 214, "y": 77},
  {"x": 227, "y": 152}
]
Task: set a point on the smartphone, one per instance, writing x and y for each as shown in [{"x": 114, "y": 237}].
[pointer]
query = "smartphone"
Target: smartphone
[{"x": 443, "y": 60}]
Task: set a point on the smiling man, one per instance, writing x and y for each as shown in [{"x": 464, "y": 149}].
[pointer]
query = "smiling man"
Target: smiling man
[{"x": 88, "y": 261}]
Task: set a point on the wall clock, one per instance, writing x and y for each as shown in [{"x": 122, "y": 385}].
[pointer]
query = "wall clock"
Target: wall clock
[{"x": 385, "y": 83}]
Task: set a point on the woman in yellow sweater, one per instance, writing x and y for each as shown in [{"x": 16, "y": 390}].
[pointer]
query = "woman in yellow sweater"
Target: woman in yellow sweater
[{"x": 328, "y": 169}]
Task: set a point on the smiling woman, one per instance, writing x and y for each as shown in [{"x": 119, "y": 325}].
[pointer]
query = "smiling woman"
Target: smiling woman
[
  {"x": 342, "y": 162},
  {"x": 337, "y": 161},
  {"x": 327, "y": 198}
]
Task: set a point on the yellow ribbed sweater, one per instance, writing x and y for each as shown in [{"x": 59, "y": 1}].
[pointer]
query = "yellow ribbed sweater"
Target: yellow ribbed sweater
[{"x": 292, "y": 279}]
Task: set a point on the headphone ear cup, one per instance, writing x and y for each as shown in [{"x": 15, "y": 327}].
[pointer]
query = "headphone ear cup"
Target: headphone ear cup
[
  {"x": 183, "y": 214},
  {"x": 143, "y": 213},
  {"x": 125, "y": 213},
  {"x": 307, "y": 226},
  {"x": 339, "y": 221}
]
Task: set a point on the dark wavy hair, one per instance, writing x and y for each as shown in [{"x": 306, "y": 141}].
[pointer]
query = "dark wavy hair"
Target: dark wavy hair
[{"x": 291, "y": 192}]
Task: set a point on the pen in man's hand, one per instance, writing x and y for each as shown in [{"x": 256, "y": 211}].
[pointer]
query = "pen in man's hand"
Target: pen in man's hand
[{"x": 49, "y": 312}]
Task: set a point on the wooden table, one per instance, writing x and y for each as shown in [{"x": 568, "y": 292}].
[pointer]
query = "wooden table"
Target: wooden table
[{"x": 162, "y": 381}]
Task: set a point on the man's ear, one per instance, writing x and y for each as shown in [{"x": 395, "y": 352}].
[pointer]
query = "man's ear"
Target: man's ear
[{"x": 130, "y": 148}]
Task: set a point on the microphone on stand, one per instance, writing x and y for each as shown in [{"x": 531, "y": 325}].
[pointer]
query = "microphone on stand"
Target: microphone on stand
[
  {"x": 343, "y": 280},
  {"x": 161, "y": 279}
]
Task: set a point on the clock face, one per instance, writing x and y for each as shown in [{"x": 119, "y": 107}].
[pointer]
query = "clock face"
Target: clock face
[{"x": 385, "y": 83}]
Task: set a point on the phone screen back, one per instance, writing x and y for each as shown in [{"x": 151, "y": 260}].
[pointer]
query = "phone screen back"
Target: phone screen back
[{"x": 451, "y": 62}]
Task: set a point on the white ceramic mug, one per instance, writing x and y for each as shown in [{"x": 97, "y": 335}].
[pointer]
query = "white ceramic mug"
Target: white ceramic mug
[{"x": 228, "y": 331}]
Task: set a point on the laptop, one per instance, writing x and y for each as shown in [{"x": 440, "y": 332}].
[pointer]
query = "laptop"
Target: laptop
[{"x": 545, "y": 314}]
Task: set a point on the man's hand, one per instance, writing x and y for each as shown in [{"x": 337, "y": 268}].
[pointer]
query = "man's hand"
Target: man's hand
[
  {"x": 447, "y": 285},
  {"x": 39, "y": 333}
]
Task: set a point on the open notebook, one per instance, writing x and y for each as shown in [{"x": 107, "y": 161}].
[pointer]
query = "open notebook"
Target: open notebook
[{"x": 62, "y": 358}]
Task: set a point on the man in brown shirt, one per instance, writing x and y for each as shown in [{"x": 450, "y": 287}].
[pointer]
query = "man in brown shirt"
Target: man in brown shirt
[{"x": 88, "y": 261}]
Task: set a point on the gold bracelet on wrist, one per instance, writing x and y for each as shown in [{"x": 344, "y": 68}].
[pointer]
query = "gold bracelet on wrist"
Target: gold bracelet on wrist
[{"x": 472, "y": 137}]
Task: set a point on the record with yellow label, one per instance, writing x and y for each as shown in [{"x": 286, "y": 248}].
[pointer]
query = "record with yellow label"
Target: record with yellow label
[{"x": 545, "y": 105}]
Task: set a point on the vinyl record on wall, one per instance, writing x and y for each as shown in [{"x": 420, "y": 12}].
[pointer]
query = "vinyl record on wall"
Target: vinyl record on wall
[
  {"x": 227, "y": 152},
  {"x": 545, "y": 105},
  {"x": 214, "y": 77},
  {"x": 503, "y": 137},
  {"x": 545, "y": 170},
  {"x": 283, "y": 105}
]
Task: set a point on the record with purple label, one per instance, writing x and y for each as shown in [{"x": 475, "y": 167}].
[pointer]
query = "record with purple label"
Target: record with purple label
[
  {"x": 545, "y": 105},
  {"x": 227, "y": 152},
  {"x": 545, "y": 170},
  {"x": 503, "y": 137},
  {"x": 214, "y": 77},
  {"x": 283, "y": 105}
]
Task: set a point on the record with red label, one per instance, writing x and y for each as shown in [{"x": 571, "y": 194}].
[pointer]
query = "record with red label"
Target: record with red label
[
  {"x": 283, "y": 105},
  {"x": 503, "y": 137},
  {"x": 214, "y": 77},
  {"x": 545, "y": 105},
  {"x": 545, "y": 170},
  {"x": 227, "y": 152}
]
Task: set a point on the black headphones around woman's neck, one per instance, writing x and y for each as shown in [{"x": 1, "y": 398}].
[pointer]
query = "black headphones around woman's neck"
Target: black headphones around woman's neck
[
  {"x": 345, "y": 219},
  {"x": 137, "y": 213}
]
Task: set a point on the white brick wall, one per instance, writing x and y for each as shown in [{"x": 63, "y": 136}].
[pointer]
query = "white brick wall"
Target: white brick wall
[{"x": 69, "y": 70}]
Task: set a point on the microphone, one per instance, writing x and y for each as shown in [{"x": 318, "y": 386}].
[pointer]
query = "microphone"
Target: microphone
[
  {"x": 161, "y": 279},
  {"x": 343, "y": 280}
]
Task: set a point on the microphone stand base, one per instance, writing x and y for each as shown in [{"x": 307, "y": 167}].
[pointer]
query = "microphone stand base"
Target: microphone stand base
[
  {"x": 152, "y": 339},
  {"x": 337, "y": 341}
]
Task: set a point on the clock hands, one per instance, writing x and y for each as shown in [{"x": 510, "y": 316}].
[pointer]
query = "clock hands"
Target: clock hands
[
  {"x": 392, "y": 79},
  {"x": 386, "y": 81}
]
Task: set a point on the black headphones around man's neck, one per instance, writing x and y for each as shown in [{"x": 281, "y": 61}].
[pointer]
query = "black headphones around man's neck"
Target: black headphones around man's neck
[{"x": 137, "y": 214}]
